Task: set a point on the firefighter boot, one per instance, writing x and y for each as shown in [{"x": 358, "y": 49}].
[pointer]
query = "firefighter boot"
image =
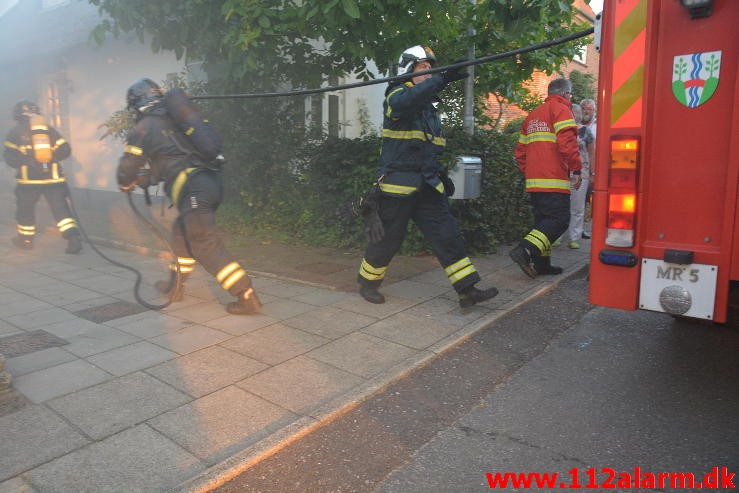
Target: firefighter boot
[
  {"x": 167, "y": 287},
  {"x": 22, "y": 243},
  {"x": 371, "y": 294},
  {"x": 247, "y": 304},
  {"x": 543, "y": 265},
  {"x": 523, "y": 258},
  {"x": 74, "y": 245},
  {"x": 471, "y": 296}
]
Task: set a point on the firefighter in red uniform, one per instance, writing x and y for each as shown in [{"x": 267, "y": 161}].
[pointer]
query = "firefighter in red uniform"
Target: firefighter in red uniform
[
  {"x": 194, "y": 186},
  {"x": 549, "y": 157},
  {"x": 34, "y": 149}
]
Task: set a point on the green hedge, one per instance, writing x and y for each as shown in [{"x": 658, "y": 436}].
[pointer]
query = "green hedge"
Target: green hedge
[{"x": 310, "y": 200}]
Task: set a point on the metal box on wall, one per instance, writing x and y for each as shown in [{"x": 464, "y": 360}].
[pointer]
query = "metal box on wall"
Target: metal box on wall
[{"x": 467, "y": 177}]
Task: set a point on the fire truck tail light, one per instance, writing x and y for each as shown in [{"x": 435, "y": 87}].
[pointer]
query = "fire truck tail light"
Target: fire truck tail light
[{"x": 622, "y": 178}]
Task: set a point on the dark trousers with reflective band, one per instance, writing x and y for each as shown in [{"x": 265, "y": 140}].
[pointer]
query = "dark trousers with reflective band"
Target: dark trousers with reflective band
[
  {"x": 27, "y": 195},
  {"x": 430, "y": 211},
  {"x": 195, "y": 235},
  {"x": 551, "y": 220}
]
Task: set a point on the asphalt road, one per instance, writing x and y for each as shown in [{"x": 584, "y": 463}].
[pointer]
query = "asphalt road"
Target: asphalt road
[{"x": 557, "y": 386}]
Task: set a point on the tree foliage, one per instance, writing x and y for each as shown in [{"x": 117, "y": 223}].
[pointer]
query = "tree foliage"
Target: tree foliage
[
  {"x": 582, "y": 85},
  {"x": 274, "y": 44},
  {"x": 281, "y": 172}
]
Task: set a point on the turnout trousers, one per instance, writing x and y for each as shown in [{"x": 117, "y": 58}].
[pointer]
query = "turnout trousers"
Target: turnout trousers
[
  {"x": 430, "y": 211},
  {"x": 27, "y": 195},
  {"x": 197, "y": 193},
  {"x": 551, "y": 219}
]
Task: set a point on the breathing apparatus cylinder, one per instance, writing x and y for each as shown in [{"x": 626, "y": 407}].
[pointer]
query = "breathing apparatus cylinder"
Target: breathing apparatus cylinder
[
  {"x": 40, "y": 139},
  {"x": 194, "y": 125}
]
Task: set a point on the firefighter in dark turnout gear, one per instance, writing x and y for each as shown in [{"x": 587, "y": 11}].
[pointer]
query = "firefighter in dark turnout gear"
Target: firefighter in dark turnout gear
[
  {"x": 411, "y": 183},
  {"x": 549, "y": 157},
  {"x": 193, "y": 185},
  {"x": 34, "y": 149}
]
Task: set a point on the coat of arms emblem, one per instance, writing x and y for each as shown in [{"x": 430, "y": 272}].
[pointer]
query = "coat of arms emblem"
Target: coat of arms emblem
[{"x": 695, "y": 77}]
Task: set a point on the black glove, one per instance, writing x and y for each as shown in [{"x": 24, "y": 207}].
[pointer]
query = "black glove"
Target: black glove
[
  {"x": 454, "y": 74},
  {"x": 447, "y": 181},
  {"x": 127, "y": 177},
  {"x": 368, "y": 207},
  {"x": 373, "y": 228}
]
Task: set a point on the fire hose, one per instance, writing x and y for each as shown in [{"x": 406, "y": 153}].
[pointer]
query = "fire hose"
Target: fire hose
[{"x": 157, "y": 233}]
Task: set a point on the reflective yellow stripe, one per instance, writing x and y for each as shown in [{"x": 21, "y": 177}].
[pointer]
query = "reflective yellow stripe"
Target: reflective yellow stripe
[
  {"x": 26, "y": 230},
  {"x": 20, "y": 148},
  {"x": 227, "y": 271},
  {"x": 136, "y": 151},
  {"x": 66, "y": 223},
  {"x": 55, "y": 170},
  {"x": 58, "y": 143},
  {"x": 413, "y": 134},
  {"x": 371, "y": 273},
  {"x": 460, "y": 269},
  {"x": 552, "y": 183},
  {"x": 558, "y": 126},
  {"x": 26, "y": 181},
  {"x": 186, "y": 265},
  {"x": 397, "y": 189},
  {"x": 189, "y": 131},
  {"x": 230, "y": 274},
  {"x": 179, "y": 182},
  {"x": 43, "y": 146},
  {"x": 440, "y": 187},
  {"x": 24, "y": 174},
  {"x": 233, "y": 278},
  {"x": 539, "y": 240},
  {"x": 389, "y": 108},
  {"x": 629, "y": 49},
  {"x": 537, "y": 137},
  {"x": 462, "y": 274}
]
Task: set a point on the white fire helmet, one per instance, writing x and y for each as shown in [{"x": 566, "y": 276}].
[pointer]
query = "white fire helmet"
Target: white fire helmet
[{"x": 410, "y": 57}]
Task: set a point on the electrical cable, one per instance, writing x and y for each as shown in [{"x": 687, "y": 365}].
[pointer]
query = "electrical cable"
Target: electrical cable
[
  {"x": 137, "y": 284},
  {"x": 397, "y": 78}
]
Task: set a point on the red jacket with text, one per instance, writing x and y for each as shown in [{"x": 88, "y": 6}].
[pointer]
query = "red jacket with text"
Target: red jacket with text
[{"x": 547, "y": 149}]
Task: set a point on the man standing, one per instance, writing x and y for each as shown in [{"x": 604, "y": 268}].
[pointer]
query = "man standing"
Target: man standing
[
  {"x": 549, "y": 157},
  {"x": 34, "y": 149},
  {"x": 194, "y": 185},
  {"x": 412, "y": 185},
  {"x": 589, "y": 122}
]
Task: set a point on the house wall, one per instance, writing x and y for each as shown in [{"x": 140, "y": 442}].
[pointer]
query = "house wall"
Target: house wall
[
  {"x": 52, "y": 51},
  {"x": 502, "y": 110}
]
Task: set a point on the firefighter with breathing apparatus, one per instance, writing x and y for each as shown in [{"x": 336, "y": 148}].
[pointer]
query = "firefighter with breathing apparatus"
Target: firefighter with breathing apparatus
[
  {"x": 34, "y": 149},
  {"x": 182, "y": 150}
]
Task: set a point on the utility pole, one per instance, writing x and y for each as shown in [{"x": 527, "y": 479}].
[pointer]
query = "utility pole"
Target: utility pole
[{"x": 469, "y": 84}]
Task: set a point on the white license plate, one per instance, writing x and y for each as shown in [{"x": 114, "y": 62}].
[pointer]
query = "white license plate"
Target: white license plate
[{"x": 688, "y": 290}]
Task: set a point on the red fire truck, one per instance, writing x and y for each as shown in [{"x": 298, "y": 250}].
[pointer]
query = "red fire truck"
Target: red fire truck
[{"x": 665, "y": 221}]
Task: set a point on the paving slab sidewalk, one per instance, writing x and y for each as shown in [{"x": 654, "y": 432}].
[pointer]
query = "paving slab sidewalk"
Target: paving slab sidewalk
[{"x": 108, "y": 396}]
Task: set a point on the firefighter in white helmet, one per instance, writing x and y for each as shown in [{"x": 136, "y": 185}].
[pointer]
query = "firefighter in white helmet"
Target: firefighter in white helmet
[{"x": 411, "y": 184}]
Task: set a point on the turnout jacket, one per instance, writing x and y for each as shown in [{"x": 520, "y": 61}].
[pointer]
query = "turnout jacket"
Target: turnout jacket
[
  {"x": 547, "y": 149},
  {"x": 411, "y": 138},
  {"x": 18, "y": 153},
  {"x": 155, "y": 140}
]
